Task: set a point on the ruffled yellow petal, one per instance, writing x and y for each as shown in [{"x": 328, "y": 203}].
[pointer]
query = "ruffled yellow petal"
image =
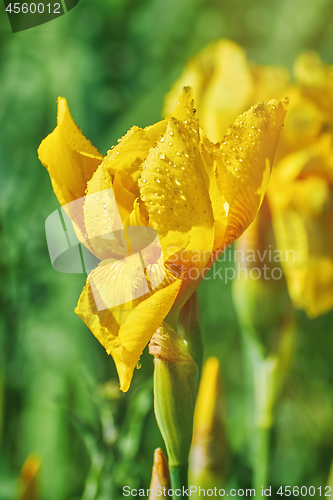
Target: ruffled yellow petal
[
  {"x": 104, "y": 228},
  {"x": 174, "y": 185},
  {"x": 155, "y": 132},
  {"x": 124, "y": 330},
  {"x": 69, "y": 157},
  {"x": 126, "y": 157},
  {"x": 222, "y": 83},
  {"x": 244, "y": 162},
  {"x": 125, "y": 198}
]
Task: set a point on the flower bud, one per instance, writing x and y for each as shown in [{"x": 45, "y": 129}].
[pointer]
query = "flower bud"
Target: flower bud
[
  {"x": 209, "y": 450},
  {"x": 160, "y": 475},
  {"x": 175, "y": 389},
  {"x": 29, "y": 478}
]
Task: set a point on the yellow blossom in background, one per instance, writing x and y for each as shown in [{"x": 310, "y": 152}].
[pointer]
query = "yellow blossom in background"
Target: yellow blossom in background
[
  {"x": 299, "y": 207},
  {"x": 197, "y": 195}
]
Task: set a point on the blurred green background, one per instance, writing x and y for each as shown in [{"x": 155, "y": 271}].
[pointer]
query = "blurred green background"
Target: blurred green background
[{"x": 114, "y": 60}]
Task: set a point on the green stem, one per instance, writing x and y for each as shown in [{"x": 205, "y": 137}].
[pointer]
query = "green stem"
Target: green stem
[
  {"x": 261, "y": 459},
  {"x": 179, "y": 479}
]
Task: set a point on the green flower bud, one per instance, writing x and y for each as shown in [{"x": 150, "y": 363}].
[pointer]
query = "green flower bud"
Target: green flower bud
[{"x": 175, "y": 390}]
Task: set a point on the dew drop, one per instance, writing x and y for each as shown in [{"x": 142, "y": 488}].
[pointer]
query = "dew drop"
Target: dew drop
[
  {"x": 175, "y": 190},
  {"x": 163, "y": 139},
  {"x": 157, "y": 180},
  {"x": 170, "y": 143},
  {"x": 171, "y": 133},
  {"x": 177, "y": 182},
  {"x": 162, "y": 156}
]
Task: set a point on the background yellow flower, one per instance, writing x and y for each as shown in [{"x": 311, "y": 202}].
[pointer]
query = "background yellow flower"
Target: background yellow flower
[{"x": 300, "y": 192}]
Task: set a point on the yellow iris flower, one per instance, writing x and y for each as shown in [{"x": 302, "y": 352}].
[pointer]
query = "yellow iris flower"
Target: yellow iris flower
[
  {"x": 197, "y": 195},
  {"x": 299, "y": 202}
]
